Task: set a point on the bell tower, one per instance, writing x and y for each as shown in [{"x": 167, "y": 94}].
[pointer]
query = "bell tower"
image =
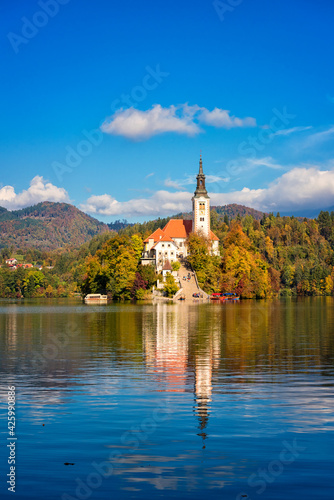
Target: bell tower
[{"x": 201, "y": 205}]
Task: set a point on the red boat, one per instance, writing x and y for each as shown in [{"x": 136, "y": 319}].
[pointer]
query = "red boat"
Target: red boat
[
  {"x": 225, "y": 297},
  {"x": 215, "y": 296}
]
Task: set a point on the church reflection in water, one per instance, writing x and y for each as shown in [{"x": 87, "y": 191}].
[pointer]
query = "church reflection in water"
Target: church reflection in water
[
  {"x": 166, "y": 343},
  {"x": 177, "y": 352},
  {"x": 203, "y": 391}
]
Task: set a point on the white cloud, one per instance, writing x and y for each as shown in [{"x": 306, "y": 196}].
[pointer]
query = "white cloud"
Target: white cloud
[
  {"x": 191, "y": 180},
  {"x": 288, "y": 131},
  {"x": 221, "y": 118},
  {"x": 184, "y": 119},
  {"x": 243, "y": 163},
  {"x": 139, "y": 125},
  {"x": 173, "y": 184},
  {"x": 231, "y": 170},
  {"x": 319, "y": 138},
  {"x": 300, "y": 188},
  {"x": 266, "y": 161},
  {"x": 186, "y": 181},
  {"x": 216, "y": 178},
  {"x": 162, "y": 202},
  {"x": 38, "y": 191}
]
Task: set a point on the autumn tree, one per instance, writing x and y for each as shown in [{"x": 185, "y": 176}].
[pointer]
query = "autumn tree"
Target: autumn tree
[
  {"x": 206, "y": 266},
  {"x": 170, "y": 287},
  {"x": 244, "y": 271},
  {"x": 148, "y": 274},
  {"x": 113, "y": 268},
  {"x": 138, "y": 287}
]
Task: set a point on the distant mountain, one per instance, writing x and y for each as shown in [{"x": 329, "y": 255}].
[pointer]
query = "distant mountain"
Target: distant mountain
[
  {"x": 5, "y": 214},
  {"x": 150, "y": 226},
  {"x": 233, "y": 210},
  {"x": 311, "y": 213},
  {"x": 119, "y": 224},
  {"x": 47, "y": 226}
]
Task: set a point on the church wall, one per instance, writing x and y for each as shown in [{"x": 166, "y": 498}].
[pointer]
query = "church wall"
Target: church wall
[
  {"x": 164, "y": 252},
  {"x": 181, "y": 243},
  {"x": 198, "y": 213}
]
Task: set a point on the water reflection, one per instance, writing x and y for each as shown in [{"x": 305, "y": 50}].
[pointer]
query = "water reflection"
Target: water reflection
[
  {"x": 236, "y": 380},
  {"x": 168, "y": 355},
  {"x": 165, "y": 343}
]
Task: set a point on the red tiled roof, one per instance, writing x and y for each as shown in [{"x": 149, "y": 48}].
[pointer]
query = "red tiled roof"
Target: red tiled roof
[
  {"x": 164, "y": 238},
  {"x": 178, "y": 228},
  {"x": 156, "y": 236},
  {"x": 167, "y": 266},
  {"x": 175, "y": 228},
  {"x": 213, "y": 236}
]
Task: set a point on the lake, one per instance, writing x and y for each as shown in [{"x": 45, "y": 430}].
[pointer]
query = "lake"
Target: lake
[{"x": 137, "y": 401}]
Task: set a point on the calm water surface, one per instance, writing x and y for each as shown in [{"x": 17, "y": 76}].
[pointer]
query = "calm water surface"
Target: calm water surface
[{"x": 169, "y": 401}]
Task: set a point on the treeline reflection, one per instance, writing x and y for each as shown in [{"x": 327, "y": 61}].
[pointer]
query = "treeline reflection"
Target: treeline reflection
[{"x": 180, "y": 347}]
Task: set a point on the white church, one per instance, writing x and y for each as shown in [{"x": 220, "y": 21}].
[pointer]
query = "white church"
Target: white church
[{"x": 164, "y": 246}]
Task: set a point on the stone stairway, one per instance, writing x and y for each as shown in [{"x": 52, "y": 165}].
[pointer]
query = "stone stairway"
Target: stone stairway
[{"x": 189, "y": 287}]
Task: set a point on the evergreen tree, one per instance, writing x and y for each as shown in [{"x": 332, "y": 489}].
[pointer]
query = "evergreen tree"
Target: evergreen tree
[{"x": 226, "y": 221}]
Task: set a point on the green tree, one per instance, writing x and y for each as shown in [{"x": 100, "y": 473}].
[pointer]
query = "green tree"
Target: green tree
[
  {"x": 206, "y": 266},
  {"x": 148, "y": 274},
  {"x": 176, "y": 265},
  {"x": 170, "y": 287},
  {"x": 32, "y": 282},
  {"x": 137, "y": 245},
  {"x": 325, "y": 224},
  {"x": 113, "y": 268}
]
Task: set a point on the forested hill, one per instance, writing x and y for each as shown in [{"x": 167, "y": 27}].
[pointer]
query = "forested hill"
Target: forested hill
[
  {"x": 274, "y": 256},
  {"x": 233, "y": 210},
  {"x": 224, "y": 212},
  {"x": 47, "y": 226}
]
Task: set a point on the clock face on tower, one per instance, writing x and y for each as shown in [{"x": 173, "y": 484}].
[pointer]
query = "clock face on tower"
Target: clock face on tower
[{"x": 202, "y": 212}]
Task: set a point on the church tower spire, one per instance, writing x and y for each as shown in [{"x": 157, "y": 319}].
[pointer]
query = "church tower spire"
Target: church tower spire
[
  {"x": 201, "y": 205},
  {"x": 200, "y": 189},
  {"x": 200, "y": 165}
]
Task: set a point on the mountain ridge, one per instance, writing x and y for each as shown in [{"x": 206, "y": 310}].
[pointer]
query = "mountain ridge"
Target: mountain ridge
[
  {"x": 52, "y": 225},
  {"x": 47, "y": 226}
]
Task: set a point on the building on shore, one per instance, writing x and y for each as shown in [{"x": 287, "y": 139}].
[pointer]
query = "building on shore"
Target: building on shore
[{"x": 170, "y": 243}]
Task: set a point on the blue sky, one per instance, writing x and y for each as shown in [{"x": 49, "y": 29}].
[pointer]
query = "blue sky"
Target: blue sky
[{"x": 107, "y": 105}]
